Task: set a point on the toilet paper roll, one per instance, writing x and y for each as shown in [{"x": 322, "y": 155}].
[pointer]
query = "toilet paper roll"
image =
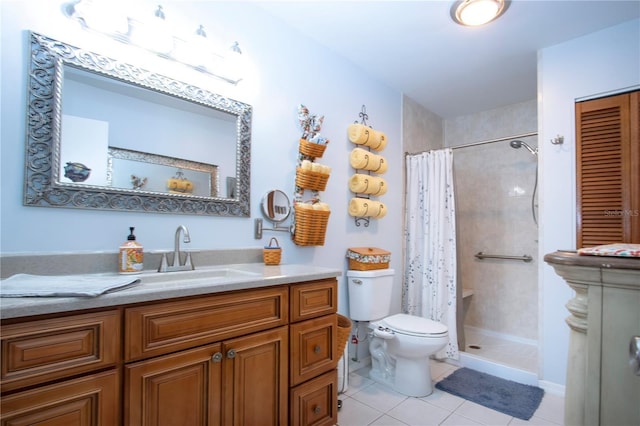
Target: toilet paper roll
[
  {"x": 365, "y": 160},
  {"x": 367, "y": 184},
  {"x": 363, "y": 135},
  {"x": 363, "y": 207}
]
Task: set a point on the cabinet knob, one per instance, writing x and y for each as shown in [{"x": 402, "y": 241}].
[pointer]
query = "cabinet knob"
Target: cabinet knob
[
  {"x": 316, "y": 349},
  {"x": 217, "y": 357},
  {"x": 231, "y": 353},
  {"x": 317, "y": 409}
]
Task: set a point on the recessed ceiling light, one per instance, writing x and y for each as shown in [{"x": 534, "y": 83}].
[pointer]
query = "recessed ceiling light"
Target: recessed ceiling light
[{"x": 477, "y": 12}]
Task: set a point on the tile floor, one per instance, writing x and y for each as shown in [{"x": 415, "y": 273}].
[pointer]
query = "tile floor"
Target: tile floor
[{"x": 367, "y": 403}]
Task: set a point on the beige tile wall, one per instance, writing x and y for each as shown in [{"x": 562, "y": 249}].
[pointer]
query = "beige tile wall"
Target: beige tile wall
[{"x": 494, "y": 185}]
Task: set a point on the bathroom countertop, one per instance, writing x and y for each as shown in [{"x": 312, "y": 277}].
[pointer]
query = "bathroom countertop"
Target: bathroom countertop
[
  {"x": 572, "y": 258},
  {"x": 155, "y": 286}
]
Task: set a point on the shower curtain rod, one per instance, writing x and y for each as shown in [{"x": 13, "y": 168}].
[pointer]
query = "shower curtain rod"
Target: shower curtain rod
[{"x": 523, "y": 135}]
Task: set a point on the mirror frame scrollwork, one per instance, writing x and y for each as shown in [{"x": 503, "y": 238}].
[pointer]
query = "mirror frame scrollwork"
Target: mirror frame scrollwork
[{"x": 44, "y": 104}]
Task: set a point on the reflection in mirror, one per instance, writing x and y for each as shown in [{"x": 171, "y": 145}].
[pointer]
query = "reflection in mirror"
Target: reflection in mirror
[
  {"x": 275, "y": 206},
  {"x": 107, "y": 135},
  {"x": 150, "y": 172}
]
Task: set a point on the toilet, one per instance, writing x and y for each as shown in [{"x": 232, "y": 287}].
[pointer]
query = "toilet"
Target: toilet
[{"x": 400, "y": 344}]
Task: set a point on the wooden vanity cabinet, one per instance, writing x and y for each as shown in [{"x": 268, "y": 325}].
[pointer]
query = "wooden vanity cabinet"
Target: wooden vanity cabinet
[
  {"x": 90, "y": 400},
  {"x": 264, "y": 356},
  {"x": 53, "y": 370},
  {"x": 313, "y": 354},
  {"x": 239, "y": 377}
]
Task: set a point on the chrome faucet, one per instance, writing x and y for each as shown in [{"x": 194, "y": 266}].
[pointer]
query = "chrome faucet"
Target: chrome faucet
[{"x": 177, "y": 262}]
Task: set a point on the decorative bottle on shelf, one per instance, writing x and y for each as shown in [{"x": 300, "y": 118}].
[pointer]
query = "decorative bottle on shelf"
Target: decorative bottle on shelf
[{"x": 131, "y": 255}]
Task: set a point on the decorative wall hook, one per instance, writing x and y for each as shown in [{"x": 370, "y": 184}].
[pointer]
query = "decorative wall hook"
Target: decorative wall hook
[{"x": 558, "y": 140}]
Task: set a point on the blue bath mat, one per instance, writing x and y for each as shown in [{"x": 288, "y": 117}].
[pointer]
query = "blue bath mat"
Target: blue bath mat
[{"x": 506, "y": 396}]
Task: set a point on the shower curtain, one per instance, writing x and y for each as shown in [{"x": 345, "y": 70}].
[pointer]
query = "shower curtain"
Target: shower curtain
[{"x": 429, "y": 285}]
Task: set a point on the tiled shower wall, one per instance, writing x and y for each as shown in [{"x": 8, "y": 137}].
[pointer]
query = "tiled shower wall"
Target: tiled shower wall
[{"x": 494, "y": 184}]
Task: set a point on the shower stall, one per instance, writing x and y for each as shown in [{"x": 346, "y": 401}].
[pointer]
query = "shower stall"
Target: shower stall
[{"x": 497, "y": 255}]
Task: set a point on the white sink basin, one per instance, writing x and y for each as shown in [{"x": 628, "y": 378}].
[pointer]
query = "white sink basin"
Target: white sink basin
[{"x": 206, "y": 272}]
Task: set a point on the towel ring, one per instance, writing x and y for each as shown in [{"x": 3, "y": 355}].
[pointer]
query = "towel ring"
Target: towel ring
[
  {"x": 379, "y": 143},
  {"x": 366, "y": 209},
  {"x": 366, "y": 157},
  {"x": 366, "y": 132},
  {"x": 366, "y": 187},
  {"x": 380, "y": 165}
]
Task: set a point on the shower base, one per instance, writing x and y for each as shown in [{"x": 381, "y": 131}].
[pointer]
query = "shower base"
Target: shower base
[{"x": 501, "y": 355}]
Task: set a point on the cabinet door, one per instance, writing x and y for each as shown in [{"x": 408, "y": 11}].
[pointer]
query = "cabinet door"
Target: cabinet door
[
  {"x": 313, "y": 349},
  {"x": 255, "y": 374},
  {"x": 620, "y": 387},
  {"x": 87, "y": 401},
  {"x": 177, "y": 389},
  {"x": 608, "y": 170}
]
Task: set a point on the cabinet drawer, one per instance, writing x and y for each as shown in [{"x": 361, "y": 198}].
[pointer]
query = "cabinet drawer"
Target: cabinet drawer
[
  {"x": 161, "y": 328},
  {"x": 316, "y": 401},
  {"x": 35, "y": 352},
  {"x": 85, "y": 401},
  {"x": 311, "y": 300},
  {"x": 312, "y": 349}
]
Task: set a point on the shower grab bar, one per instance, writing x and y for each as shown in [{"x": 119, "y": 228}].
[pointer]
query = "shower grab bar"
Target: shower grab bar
[{"x": 524, "y": 258}]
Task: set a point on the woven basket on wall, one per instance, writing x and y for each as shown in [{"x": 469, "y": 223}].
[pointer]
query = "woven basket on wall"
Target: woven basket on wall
[
  {"x": 311, "y": 149},
  {"x": 311, "y": 226},
  {"x": 308, "y": 179}
]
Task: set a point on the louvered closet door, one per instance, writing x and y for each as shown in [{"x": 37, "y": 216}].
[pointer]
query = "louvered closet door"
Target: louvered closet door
[{"x": 607, "y": 167}]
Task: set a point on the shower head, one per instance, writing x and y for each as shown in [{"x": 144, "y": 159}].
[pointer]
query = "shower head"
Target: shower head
[{"x": 519, "y": 144}]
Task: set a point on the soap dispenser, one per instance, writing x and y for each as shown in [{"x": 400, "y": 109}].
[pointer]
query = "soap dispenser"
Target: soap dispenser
[{"x": 131, "y": 255}]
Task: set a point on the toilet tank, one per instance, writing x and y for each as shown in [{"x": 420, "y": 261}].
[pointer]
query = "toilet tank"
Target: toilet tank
[{"x": 370, "y": 294}]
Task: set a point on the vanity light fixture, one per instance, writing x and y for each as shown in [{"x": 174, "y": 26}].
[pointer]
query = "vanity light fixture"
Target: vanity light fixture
[
  {"x": 154, "y": 34},
  {"x": 100, "y": 17},
  {"x": 473, "y": 13}
]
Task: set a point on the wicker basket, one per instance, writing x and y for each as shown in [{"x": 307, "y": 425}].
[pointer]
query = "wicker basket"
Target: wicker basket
[
  {"x": 272, "y": 254},
  {"x": 368, "y": 258},
  {"x": 308, "y": 179},
  {"x": 344, "y": 329},
  {"x": 311, "y": 226},
  {"x": 311, "y": 149}
]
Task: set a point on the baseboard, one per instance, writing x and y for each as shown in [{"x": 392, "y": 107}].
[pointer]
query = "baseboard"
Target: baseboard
[{"x": 552, "y": 388}]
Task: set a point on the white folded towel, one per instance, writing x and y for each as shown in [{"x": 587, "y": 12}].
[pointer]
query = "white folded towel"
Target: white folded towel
[{"x": 26, "y": 285}]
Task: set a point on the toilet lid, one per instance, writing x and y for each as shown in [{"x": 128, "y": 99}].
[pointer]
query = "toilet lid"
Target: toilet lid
[{"x": 414, "y": 325}]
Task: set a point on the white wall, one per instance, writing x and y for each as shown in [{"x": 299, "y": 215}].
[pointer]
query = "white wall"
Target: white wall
[
  {"x": 595, "y": 64},
  {"x": 285, "y": 69}
]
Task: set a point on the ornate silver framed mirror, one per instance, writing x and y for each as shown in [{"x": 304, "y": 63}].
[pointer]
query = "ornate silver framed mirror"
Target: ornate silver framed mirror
[{"x": 107, "y": 135}]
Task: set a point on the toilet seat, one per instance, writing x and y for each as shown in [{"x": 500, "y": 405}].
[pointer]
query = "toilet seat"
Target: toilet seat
[{"x": 414, "y": 326}]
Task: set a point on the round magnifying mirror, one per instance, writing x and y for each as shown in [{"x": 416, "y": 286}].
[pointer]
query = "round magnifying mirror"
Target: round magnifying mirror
[{"x": 275, "y": 206}]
